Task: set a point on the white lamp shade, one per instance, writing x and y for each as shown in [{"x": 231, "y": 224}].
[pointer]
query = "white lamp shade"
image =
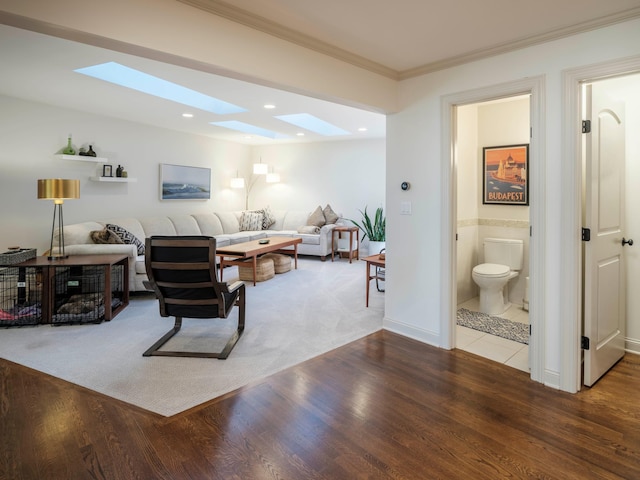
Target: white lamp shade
[
  {"x": 260, "y": 168},
  {"x": 237, "y": 182}
]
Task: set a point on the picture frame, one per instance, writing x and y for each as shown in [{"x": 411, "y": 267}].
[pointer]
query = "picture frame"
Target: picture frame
[
  {"x": 181, "y": 182},
  {"x": 505, "y": 175},
  {"x": 107, "y": 170}
]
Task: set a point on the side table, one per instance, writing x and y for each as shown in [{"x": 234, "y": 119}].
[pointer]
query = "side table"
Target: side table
[
  {"x": 351, "y": 230},
  {"x": 375, "y": 261},
  {"x": 51, "y": 269}
]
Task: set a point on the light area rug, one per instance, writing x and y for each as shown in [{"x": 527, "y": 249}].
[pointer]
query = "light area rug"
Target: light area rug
[
  {"x": 289, "y": 319},
  {"x": 498, "y": 326}
]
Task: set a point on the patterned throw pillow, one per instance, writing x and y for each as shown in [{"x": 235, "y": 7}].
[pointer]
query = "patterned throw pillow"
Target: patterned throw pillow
[
  {"x": 268, "y": 218},
  {"x": 316, "y": 218},
  {"x": 127, "y": 237},
  {"x": 329, "y": 215},
  {"x": 251, "y": 221}
]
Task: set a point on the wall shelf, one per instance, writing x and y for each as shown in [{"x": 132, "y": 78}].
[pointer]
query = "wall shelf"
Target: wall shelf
[
  {"x": 81, "y": 158},
  {"x": 114, "y": 179}
]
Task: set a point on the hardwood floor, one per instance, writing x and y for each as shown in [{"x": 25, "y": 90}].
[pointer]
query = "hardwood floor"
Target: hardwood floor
[{"x": 381, "y": 407}]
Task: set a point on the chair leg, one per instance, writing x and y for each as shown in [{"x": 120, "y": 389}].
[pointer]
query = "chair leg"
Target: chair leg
[{"x": 164, "y": 339}]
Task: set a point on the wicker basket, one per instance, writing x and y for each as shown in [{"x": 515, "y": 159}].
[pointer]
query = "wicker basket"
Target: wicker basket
[
  {"x": 264, "y": 270},
  {"x": 17, "y": 256},
  {"x": 281, "y": 263}
]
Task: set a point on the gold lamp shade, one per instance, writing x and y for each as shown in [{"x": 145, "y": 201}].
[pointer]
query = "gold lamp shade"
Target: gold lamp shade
[{"x": 58, "y": 190}]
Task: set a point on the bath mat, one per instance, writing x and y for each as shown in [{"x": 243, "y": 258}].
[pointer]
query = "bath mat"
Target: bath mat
[{"x": 500, "y": 327}]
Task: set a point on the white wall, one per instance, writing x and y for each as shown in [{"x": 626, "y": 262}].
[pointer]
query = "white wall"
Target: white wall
[
  {"x": 31, "y": 133},
  {"x": 413, "y": 299}
]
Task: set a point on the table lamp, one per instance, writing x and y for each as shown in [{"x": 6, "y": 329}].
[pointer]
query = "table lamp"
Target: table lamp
[{"x": 58, "y": 190}]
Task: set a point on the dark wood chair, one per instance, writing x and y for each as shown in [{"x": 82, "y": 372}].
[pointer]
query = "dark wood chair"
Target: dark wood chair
[{"x": 182, "y": 273}]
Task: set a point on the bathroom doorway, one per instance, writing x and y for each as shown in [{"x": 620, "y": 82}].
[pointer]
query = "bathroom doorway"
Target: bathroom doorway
[{"x": 500, "y": 334}]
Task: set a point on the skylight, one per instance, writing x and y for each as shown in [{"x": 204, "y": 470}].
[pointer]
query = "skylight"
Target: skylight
[
  {"x": 313, "y": 124},
  {"x": 247, "y": 128},
  {"x": 128, "y": 77}
]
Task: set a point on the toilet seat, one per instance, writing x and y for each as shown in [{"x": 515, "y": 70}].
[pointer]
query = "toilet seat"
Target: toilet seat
[{"x": 492, "y": 270}]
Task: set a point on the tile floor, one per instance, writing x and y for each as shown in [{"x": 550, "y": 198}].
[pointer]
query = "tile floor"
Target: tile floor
[{"x": 498, "y": 349}]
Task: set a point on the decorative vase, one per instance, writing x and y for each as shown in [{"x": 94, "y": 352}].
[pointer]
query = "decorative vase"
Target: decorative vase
[
  {"x": 376, "y": 247},
  {"x": 90, "y": 152},
  {"x": 119, "y": 171},
  {"x": 124, "y": 174},
  {"x": 69, "y": 149}
]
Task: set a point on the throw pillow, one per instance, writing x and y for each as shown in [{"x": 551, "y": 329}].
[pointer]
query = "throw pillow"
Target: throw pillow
[
  {"x": 104, "y": 236},
  {"x": 251, "y": 221},
  {"x": 268, "y": 218},
  {"x": 316, "y": 218},
  {"x": 126, "y": 236},
  {"x": 309, "y": 229},
  {"x": 329, "y": 215}
]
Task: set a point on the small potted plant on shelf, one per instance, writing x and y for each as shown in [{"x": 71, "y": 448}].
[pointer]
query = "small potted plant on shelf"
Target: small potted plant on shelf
[{"x": 373, "y": 230}]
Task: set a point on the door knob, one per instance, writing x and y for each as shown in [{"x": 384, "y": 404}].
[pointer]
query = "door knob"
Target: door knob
[{"x": 627, "y": 242}]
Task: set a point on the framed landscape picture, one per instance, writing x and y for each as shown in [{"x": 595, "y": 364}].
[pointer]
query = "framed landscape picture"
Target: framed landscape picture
[
  {"x": 505, "y": 175},
  {"x": 179, "y": 182}
]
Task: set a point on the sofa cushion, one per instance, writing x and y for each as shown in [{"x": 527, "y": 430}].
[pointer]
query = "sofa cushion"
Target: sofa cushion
[
  {"x": 229, "y": 222},
  {"x": 251, "y": 221},
  {"x": 127, "y": 237},
  {"x": 316, "y": 218},
  {"x": 329, "y": 215},
  {"x": 185, "y": 225},
  {"x": 209, "y": 224},
  {"x": 308, "y": 239},
  {"x": 140, "y": 266},
  {"x": 292, "y": 220}
]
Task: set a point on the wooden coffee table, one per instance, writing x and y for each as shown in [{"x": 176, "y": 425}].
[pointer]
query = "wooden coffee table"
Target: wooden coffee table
[{"x": 238, "y": 254}]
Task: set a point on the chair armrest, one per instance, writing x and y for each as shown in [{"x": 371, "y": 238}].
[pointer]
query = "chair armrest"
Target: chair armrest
[{"x": 234, "y": 286}]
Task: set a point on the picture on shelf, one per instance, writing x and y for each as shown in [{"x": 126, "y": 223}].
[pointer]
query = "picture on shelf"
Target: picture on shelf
[
  {"x": 107, "y": 170},
  {"x": 179, "y": 182}
]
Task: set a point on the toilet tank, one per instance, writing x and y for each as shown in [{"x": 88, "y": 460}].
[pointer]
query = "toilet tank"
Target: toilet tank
[{"x": 504, "y": 251}]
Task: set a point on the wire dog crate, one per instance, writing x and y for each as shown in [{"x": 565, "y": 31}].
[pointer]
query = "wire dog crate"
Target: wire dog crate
[
  {"x": 20, "y": 296},
  {"x": 79, "y": 293}
]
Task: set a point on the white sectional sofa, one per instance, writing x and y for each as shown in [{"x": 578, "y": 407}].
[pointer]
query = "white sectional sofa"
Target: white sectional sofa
[{"x": 224, "y": 226}]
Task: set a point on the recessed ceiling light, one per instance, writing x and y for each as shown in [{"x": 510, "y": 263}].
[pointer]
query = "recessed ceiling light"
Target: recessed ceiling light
[
  {"x": 300, "y": 134},
  {"x": 269, "y": 106},
  {"x": 362, "y": 129},
  {"x": 187, "y": 115},
  {"x": 143, "y": 82},
  {"x": 313, "y": 124}
]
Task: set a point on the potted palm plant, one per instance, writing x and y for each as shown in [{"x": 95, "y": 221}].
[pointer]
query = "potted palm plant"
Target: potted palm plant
[{"x": 374, "y": 229}]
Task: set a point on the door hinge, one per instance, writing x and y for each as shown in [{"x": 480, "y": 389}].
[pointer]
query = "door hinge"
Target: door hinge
[
  {"x": 584, "y": 343},
  {"x": 456, "y": 237},
  {"x": 529, "y": 329},
  {"x": 586, "y": 234},
  {"x": 586, "y": 126}
]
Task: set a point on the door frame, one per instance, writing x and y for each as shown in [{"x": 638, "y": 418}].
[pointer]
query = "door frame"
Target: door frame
[
  {"x": 534, "y": 86},
  {"x": 571, "y": 213}
]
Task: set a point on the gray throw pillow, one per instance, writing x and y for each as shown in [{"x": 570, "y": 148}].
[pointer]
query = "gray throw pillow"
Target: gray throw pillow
[
  {"x": 329, "y": 215},
  {"x": 316, "y": 218}
]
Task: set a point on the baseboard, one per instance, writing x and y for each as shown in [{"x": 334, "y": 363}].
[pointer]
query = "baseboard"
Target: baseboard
[
  {"x": 410, "y": 331},
  {"x": 632, "y": 345}
]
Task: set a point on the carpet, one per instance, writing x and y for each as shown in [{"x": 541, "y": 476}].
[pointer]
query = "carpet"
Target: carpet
[
  {"x": 500, "y": 327},
  {"x": 291, "y": 318}
]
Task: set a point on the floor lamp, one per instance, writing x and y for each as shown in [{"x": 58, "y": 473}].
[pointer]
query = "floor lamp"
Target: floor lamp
[{"x": 58, "y": 190}]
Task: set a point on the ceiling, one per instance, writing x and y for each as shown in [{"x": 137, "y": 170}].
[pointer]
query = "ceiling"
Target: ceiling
[{"x": 398, "y": 39}]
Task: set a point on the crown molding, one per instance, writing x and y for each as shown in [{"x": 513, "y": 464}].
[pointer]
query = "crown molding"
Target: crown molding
[
  {"x": 248, "y": 19},
  {"x": 244, "y": 17},
  {"x": 522, "y": 43}
]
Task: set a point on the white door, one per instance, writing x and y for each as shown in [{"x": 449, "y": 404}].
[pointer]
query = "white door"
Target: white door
[{"x": 604, "y": 276}]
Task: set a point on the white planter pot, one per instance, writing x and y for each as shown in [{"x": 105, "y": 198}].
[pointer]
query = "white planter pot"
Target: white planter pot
[{"x": 375, "y": 247}]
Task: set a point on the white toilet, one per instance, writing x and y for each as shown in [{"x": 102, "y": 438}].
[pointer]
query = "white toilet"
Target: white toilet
[{"x": 503, "y": 261}]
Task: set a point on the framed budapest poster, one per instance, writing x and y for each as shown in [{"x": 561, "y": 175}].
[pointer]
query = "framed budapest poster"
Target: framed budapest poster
[{"x": 505, "y": 175}]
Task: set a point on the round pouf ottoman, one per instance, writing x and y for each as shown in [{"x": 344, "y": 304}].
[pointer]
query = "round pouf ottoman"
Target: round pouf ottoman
[
  {"x": 281, "y": 263},
  {"x": 264, "y": 270}
]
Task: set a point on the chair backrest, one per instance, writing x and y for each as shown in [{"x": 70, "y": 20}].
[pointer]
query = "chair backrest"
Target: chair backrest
[{"x": 182, "y": 272}]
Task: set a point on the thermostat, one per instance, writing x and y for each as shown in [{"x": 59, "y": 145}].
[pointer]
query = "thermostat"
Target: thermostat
[{"x": 405, "y": 185}]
